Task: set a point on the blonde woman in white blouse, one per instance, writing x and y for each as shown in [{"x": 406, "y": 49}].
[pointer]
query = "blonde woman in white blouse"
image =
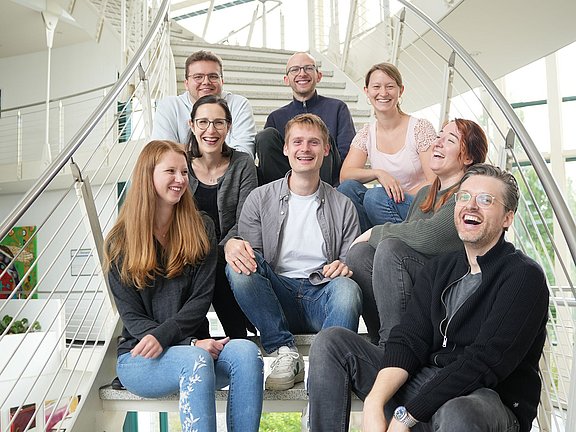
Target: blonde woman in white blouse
[{"x": 397, "y": 147}]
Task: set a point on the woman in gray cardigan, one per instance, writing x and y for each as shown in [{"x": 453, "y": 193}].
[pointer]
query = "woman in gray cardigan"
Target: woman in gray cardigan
[{"x": 220, "y": 178}]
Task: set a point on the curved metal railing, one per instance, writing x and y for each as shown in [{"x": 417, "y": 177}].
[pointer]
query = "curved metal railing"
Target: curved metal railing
[{"x": 54, "y": 237}]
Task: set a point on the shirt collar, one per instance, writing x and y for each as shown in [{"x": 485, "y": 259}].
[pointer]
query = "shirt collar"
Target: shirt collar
[{"x": 313, "y": 101}]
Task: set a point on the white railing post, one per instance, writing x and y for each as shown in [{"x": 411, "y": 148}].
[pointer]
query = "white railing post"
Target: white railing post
[
  {"x": 60, "y": 126},
  {"x": 349, "y": 30},
  {"x": 264, "y": 30},
  {"x": 208, "y": 16},
  {"x": 446, "y": 97},
  {"x": 84, "y": 192},
  {"x": 146, "y": 100},
  {"x": 252, "y": 25},
  {"x": 282, "y": 35},
  {"x": 19, "y": 144},
  {"x": 397, "y": 42},
  {"x": 571, "y": 420},
  {"x": 311, "y": 25}
]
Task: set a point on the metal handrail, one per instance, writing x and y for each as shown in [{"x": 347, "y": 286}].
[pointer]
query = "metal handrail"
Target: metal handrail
[
  {"x": 54, "y": 168},
  {"x": 551, "y": 188},
  {"x": 70, "y": 96}
]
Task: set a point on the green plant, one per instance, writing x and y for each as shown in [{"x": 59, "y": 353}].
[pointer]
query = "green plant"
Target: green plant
[
  {"x": 18, "y": 326},
  {"x": 280, "y": 422}
]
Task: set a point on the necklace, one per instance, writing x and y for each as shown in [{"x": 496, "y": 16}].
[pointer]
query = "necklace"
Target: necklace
[
  {"x": 160, "y": 233},
  {"x": 210, "y": 175},
  {"x": 213, "y": 176}
]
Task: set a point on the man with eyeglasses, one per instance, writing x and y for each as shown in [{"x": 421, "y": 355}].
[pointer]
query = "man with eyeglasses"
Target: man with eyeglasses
[
  {"x": 302, "y": 75},
  {"x": 465, "y": 354},
  {"x": 204, "y": 77}
]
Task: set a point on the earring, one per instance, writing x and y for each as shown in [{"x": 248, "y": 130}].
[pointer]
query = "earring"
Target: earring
[{"x": 368, "y": 100}]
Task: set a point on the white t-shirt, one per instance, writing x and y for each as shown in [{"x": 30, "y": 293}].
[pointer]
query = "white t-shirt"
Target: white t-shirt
[{"x": 302, "y": 244}]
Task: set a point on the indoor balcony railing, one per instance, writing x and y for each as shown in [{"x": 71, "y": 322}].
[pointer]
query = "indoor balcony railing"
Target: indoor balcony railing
[{"x": 61, "y": 229}]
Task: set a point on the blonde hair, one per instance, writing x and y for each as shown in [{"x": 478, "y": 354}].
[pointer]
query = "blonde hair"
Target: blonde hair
[
  {"x": 130, "y": 245},
  {"x": 310, "y": 120}
]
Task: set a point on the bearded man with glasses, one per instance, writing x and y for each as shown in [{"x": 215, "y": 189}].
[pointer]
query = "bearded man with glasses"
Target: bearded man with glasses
[
  {"x": 204, "y": 76},
  {"x": 302, "y": 75},
  {"x": 465, "y": 354}
]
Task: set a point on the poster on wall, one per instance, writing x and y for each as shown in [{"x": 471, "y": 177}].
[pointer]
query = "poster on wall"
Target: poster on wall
[
  {"x": 54, "y": 415},
  {"x": 26, "y": 418},
  {"x": 11, "y": 274}
]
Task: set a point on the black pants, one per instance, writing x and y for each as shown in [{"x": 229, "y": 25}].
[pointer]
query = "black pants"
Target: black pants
[
  {"x": 273, "y": 165},
  {"x": 229, "y": 313}
]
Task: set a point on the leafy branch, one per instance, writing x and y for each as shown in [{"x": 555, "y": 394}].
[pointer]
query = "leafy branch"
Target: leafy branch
[{"x": 18, "y": 326}]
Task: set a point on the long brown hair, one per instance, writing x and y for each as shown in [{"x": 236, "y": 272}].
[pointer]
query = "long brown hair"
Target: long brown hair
[
  {"x": 130, "y": 244},
  {"x": 474, "y": 146}
]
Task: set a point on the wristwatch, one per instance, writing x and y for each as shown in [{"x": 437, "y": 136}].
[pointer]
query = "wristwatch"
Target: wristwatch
[
  {"x": 193, "y": 341},
  {"x": 403, "y": 416}
]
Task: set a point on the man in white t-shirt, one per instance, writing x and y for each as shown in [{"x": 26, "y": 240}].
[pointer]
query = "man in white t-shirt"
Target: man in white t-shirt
[
  {"x": 204, "y": 76},
  {"x": 287, "y": 270}
]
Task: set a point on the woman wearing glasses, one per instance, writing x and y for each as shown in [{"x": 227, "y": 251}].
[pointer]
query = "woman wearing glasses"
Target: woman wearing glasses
[
  {"x": 386, "y": 259},
  {"x": 160, "y": 262},
  {"x": 220, "y": 178},
  {"x": 396, "y": 145}
]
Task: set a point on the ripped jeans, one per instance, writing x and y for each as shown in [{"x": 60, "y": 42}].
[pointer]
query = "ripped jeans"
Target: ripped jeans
[{"x": 192, "y": 371}]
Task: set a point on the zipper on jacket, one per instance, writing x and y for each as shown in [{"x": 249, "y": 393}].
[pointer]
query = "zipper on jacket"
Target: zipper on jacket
[{"x": 445, "y": 332}]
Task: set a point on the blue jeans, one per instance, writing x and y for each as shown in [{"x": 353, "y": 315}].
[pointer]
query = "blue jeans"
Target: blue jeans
[
  {"x": 373, "y": 205},
  {"x": 385, "y": 276},
  {"x": 342, "y": 361},
  {"x": 192, "y": 371},
  {"x": 279, "y": 306}
]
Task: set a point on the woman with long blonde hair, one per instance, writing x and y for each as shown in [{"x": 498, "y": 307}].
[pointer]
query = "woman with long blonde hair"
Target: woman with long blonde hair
[{"x": 160, "y": 258}]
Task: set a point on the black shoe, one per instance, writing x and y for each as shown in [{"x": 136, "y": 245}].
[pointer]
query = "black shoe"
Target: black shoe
[{"x": 117, "y": 385}]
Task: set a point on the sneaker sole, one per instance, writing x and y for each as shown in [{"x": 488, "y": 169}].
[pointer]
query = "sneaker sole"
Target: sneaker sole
[{"x": 272, "y": 384}]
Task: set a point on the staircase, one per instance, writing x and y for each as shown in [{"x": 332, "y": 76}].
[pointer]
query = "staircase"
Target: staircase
[
  {"x": 74, "y": 210},
  {"x": 257, "y": 74}
]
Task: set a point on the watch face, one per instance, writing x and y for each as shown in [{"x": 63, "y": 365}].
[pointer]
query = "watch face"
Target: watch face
[{"x": 400, "y": 412}]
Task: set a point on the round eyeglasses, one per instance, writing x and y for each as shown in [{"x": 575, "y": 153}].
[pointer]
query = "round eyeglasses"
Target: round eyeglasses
[
  {"x": 295, "y": 70},
  {"x": 198, "y": 78},
  {"x": 204, "y": 123},
  {"x": 483, "y": 200}
]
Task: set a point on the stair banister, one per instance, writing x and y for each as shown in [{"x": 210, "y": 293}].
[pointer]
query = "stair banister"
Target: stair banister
[
  {"x": 551, "y": 188},
  {"x": 55, "y": 166}
]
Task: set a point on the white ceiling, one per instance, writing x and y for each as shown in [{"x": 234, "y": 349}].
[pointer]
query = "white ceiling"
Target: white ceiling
[{"x": 22, "y": 31}]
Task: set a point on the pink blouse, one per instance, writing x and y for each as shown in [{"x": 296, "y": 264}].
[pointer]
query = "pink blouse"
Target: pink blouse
[{"x": 404, "y": 165}]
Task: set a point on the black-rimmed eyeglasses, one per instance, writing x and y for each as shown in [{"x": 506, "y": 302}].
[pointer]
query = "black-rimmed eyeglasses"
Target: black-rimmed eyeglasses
[
  {"x": 483, "y": 200},
  {"x": 204, "y": 123},
  {"x": 295, "y": 70}
]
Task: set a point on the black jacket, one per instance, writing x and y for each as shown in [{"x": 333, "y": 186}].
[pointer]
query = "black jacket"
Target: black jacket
[{"x": 494, "y": 340}]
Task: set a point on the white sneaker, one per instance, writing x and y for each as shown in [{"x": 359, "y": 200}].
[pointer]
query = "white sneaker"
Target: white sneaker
[{"x": 286, "y": 370}]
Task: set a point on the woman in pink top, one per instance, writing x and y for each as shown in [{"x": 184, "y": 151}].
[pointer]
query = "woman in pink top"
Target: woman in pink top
[{"x": 397, "y": 147}]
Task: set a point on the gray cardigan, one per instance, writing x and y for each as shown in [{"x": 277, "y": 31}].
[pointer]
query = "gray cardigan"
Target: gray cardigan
[
  {"x": 262, "y": 220},
  {"x": 429, "y": 233},
  {"x": 233, "y": 188}
]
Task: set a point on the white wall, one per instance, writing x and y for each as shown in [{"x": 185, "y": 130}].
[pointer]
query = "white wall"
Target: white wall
[
  {"x": 53, "y": 272},
  {"x": 75, "y": 68}
]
